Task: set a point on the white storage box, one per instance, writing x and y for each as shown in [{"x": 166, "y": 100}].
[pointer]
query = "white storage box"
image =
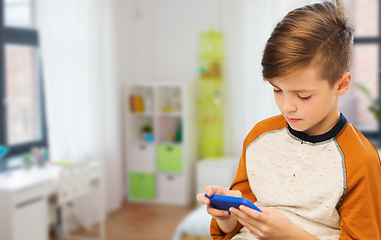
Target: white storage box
[
  {"x": 170, "y": 189},
  {"x": 142, "y": 158}
]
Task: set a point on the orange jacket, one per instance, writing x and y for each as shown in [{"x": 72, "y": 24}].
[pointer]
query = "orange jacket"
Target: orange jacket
[{"x": 359, "y": 207}]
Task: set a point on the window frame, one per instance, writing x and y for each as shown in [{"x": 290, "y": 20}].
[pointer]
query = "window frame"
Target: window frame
[
  {"x": 374, "y": 136},
  {"x": 25, "y": 37}
]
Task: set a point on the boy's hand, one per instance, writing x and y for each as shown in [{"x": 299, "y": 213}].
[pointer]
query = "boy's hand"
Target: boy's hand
[
  {"x": 271, "y": 224},
  {"x": 210, "y": 190}
]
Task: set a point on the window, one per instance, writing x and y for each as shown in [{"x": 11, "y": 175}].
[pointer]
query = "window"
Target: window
[
  {"x": 22, "y": 121},
  {"x": 19, "y": 13},
  {"x": 365, "y": 17}
]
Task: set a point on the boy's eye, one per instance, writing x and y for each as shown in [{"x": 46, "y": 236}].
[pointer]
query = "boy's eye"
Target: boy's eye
[
  {"x": 277, "y": 90},
  {"x": 304, "y": 98}
]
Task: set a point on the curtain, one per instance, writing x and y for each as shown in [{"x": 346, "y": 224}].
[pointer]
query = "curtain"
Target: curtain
[{"x": 82, "y": 94}]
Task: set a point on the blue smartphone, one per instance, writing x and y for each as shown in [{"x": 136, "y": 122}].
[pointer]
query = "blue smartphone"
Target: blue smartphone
[{"x": 223, "y": 202}]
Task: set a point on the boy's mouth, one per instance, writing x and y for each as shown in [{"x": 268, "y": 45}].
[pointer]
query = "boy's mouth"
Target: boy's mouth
[{"x": 293, "y": 120}]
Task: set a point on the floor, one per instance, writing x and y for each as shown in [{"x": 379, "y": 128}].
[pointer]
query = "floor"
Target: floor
[{"x": 139, "y": 221}]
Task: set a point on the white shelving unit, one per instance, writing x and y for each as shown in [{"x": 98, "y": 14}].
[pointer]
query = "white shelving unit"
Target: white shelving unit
[{"x": 160, "y": 171}]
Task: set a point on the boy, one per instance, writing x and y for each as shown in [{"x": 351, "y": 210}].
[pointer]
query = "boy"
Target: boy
[{"x": 313, "y": 174}]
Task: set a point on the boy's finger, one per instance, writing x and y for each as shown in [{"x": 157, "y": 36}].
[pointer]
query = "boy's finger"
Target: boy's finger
[
  {"x": 236, "y": 193},
  {"x": 246, "y": 216},
  {"x": 255, "y": 231},
  {"x": 216, "y": 212},
  {"x": 202, "y": 199},
  {"x": 208, "y": 191},
  {"x": 211, "y": 189},
  {"x": 261, "y": 217}
]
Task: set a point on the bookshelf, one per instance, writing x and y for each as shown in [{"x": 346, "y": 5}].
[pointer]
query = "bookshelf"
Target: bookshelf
[{"x": 161, "y": 142}]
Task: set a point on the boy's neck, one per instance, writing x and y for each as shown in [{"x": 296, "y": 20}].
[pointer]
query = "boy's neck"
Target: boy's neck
[{"x": 325, "y": 125}]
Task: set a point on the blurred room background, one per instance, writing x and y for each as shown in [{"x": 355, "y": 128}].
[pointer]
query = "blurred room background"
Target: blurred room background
[{"x": 84, "y": 80}]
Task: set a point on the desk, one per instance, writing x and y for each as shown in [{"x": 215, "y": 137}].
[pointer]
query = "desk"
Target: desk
[{"x": 24, "y": 201}]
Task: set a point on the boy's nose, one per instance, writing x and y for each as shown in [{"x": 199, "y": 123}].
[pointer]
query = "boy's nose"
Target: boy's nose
[{"x": 289, "y": 106}]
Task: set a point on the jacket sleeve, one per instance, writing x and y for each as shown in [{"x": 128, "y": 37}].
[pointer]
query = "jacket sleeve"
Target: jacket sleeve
[
  {"x": 360, "y": 210},
  {"x": 240, "y": 183}
]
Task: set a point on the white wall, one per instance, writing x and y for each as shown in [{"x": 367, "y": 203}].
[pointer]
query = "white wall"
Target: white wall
[
  {"x": 158, "y": 41},
  {"x": 260, "y": 19}
]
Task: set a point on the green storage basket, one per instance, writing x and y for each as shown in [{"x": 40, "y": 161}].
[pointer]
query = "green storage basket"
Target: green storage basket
[
  {"x": 170, "y": 158},
  {"x": 142, "y": 185}
]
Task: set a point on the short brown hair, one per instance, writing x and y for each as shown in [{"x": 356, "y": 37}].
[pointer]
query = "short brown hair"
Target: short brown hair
[{"x": 314, "y": 34}]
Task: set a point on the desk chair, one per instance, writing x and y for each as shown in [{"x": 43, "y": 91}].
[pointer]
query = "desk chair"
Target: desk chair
[{"x": 74, "y": 183}]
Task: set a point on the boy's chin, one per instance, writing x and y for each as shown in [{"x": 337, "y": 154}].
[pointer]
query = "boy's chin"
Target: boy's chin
[{"x": 298, "y": 128}]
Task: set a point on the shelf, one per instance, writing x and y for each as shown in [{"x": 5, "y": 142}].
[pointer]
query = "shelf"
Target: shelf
[
  {"x": 141, "y": 114},
  {"x": 169, "y": 158},
  {"x": 168, "y": 143},
  {"x": 176, "y": 114}
]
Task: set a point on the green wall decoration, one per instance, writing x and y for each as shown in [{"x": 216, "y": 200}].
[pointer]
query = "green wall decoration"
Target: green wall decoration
[{"x": 210, "y": 95}]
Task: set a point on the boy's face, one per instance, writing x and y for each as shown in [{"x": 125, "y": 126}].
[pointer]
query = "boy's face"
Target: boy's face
[{"x": 309, "y": 103}]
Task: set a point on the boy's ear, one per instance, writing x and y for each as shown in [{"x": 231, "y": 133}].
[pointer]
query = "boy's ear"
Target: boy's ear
[{"x": 344, "y": 83}]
